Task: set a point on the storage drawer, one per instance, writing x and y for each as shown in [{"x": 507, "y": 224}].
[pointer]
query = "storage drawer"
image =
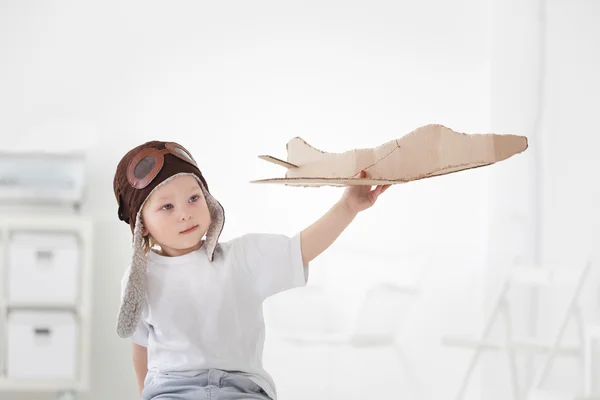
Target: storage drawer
[
  {"x": 43, "y": 268},
  {"x": 42, "y": 345}
]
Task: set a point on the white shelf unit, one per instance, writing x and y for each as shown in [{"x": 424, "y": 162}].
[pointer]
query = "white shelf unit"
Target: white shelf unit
[{"x": 81, "y": 228}]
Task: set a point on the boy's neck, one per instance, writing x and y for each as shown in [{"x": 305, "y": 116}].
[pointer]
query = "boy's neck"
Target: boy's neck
[{"x": 168, "y": 252}]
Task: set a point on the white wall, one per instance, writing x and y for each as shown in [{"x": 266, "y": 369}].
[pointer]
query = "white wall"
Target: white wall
[
  {"x": 561, "y": 163},
  {"x": 222, "y": 77}
]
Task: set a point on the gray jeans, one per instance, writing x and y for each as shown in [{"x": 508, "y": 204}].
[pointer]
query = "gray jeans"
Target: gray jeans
[{"x": 213, "y": 384}]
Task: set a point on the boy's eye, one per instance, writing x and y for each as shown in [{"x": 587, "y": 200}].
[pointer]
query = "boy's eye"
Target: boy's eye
[{"x": 167, "y": 207}]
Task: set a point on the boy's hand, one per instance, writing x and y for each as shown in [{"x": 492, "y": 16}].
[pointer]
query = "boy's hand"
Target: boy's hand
[{"x": 359, "y": 198}]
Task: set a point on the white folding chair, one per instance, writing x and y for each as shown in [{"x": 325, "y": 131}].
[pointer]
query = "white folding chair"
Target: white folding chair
[
  {"x": 534, "y": 277},
  {"x": 573, "y": 311},
  {"x": 376, "y": 325}
]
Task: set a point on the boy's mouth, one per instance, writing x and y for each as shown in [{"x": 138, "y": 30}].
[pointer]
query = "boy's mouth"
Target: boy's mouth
[{"x": 190, "y": 230}]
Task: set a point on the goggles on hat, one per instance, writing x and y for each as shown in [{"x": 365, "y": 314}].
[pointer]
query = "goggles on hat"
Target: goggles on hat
[{"x": 146, "y": 164}]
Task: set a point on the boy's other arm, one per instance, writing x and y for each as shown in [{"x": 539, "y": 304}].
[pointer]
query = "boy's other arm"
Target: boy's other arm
[{"x": 140, "y": 364}]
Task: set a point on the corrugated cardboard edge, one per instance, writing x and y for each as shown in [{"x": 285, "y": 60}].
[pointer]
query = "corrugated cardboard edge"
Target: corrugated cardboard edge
[
  {"x": 316, "y": 182},
  {"x": 504, "y": 147}
]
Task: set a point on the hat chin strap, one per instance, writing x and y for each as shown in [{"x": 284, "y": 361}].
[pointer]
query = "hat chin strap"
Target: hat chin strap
[{"x": 134, "y": 296}]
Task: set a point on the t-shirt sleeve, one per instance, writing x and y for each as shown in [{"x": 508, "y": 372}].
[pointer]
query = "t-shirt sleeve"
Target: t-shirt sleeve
[
  {"x": 140, "y": 335},
  {"x": 274, "y": 262}
]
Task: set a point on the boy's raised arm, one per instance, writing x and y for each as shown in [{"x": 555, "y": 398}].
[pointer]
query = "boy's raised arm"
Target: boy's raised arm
[{"x": 321, "y": 234}]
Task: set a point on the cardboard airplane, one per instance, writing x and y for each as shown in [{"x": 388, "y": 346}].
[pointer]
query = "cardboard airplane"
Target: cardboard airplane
[{"x": 426, "y": 152}]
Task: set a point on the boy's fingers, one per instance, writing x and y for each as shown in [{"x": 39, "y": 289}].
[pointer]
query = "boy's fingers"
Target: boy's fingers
[
  {"x": 377, "y": 191},
  {"x": 360, "y": 174}
]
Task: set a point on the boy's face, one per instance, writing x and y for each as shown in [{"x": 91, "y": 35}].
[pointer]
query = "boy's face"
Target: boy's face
[{"x": 176, "y": 216}]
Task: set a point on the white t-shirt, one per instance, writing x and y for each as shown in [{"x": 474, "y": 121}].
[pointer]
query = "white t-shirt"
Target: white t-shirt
[{"x": 201, "y": 314}]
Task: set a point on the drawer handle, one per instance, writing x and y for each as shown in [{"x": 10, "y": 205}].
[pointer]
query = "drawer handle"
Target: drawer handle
[
  {"x": 42, "y": 331},
  {"x": 44, "y": 255}
]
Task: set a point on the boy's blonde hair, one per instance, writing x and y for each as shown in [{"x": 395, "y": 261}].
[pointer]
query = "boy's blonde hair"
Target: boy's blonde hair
[{"x": 149, "y": 243}]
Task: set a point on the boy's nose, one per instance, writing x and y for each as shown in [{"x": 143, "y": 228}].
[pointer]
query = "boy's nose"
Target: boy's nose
[{"x": 186, "y": 216}]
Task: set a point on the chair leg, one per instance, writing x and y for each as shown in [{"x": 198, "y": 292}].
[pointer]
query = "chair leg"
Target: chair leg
[
  {"x": 500, "y": 303},
  {"x": 592, "y": 335},
  {"x": 410, "y": 372},
  {"x": 570, "y": 312},
  {"x": 581, "y": 338},
  {"x": 512, "y": 361}
]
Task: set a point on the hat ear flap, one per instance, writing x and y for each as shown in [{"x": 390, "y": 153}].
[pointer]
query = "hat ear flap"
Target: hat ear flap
[
  {"x": 217, "y": 221},
  {"x": 134, "y": 295}
]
